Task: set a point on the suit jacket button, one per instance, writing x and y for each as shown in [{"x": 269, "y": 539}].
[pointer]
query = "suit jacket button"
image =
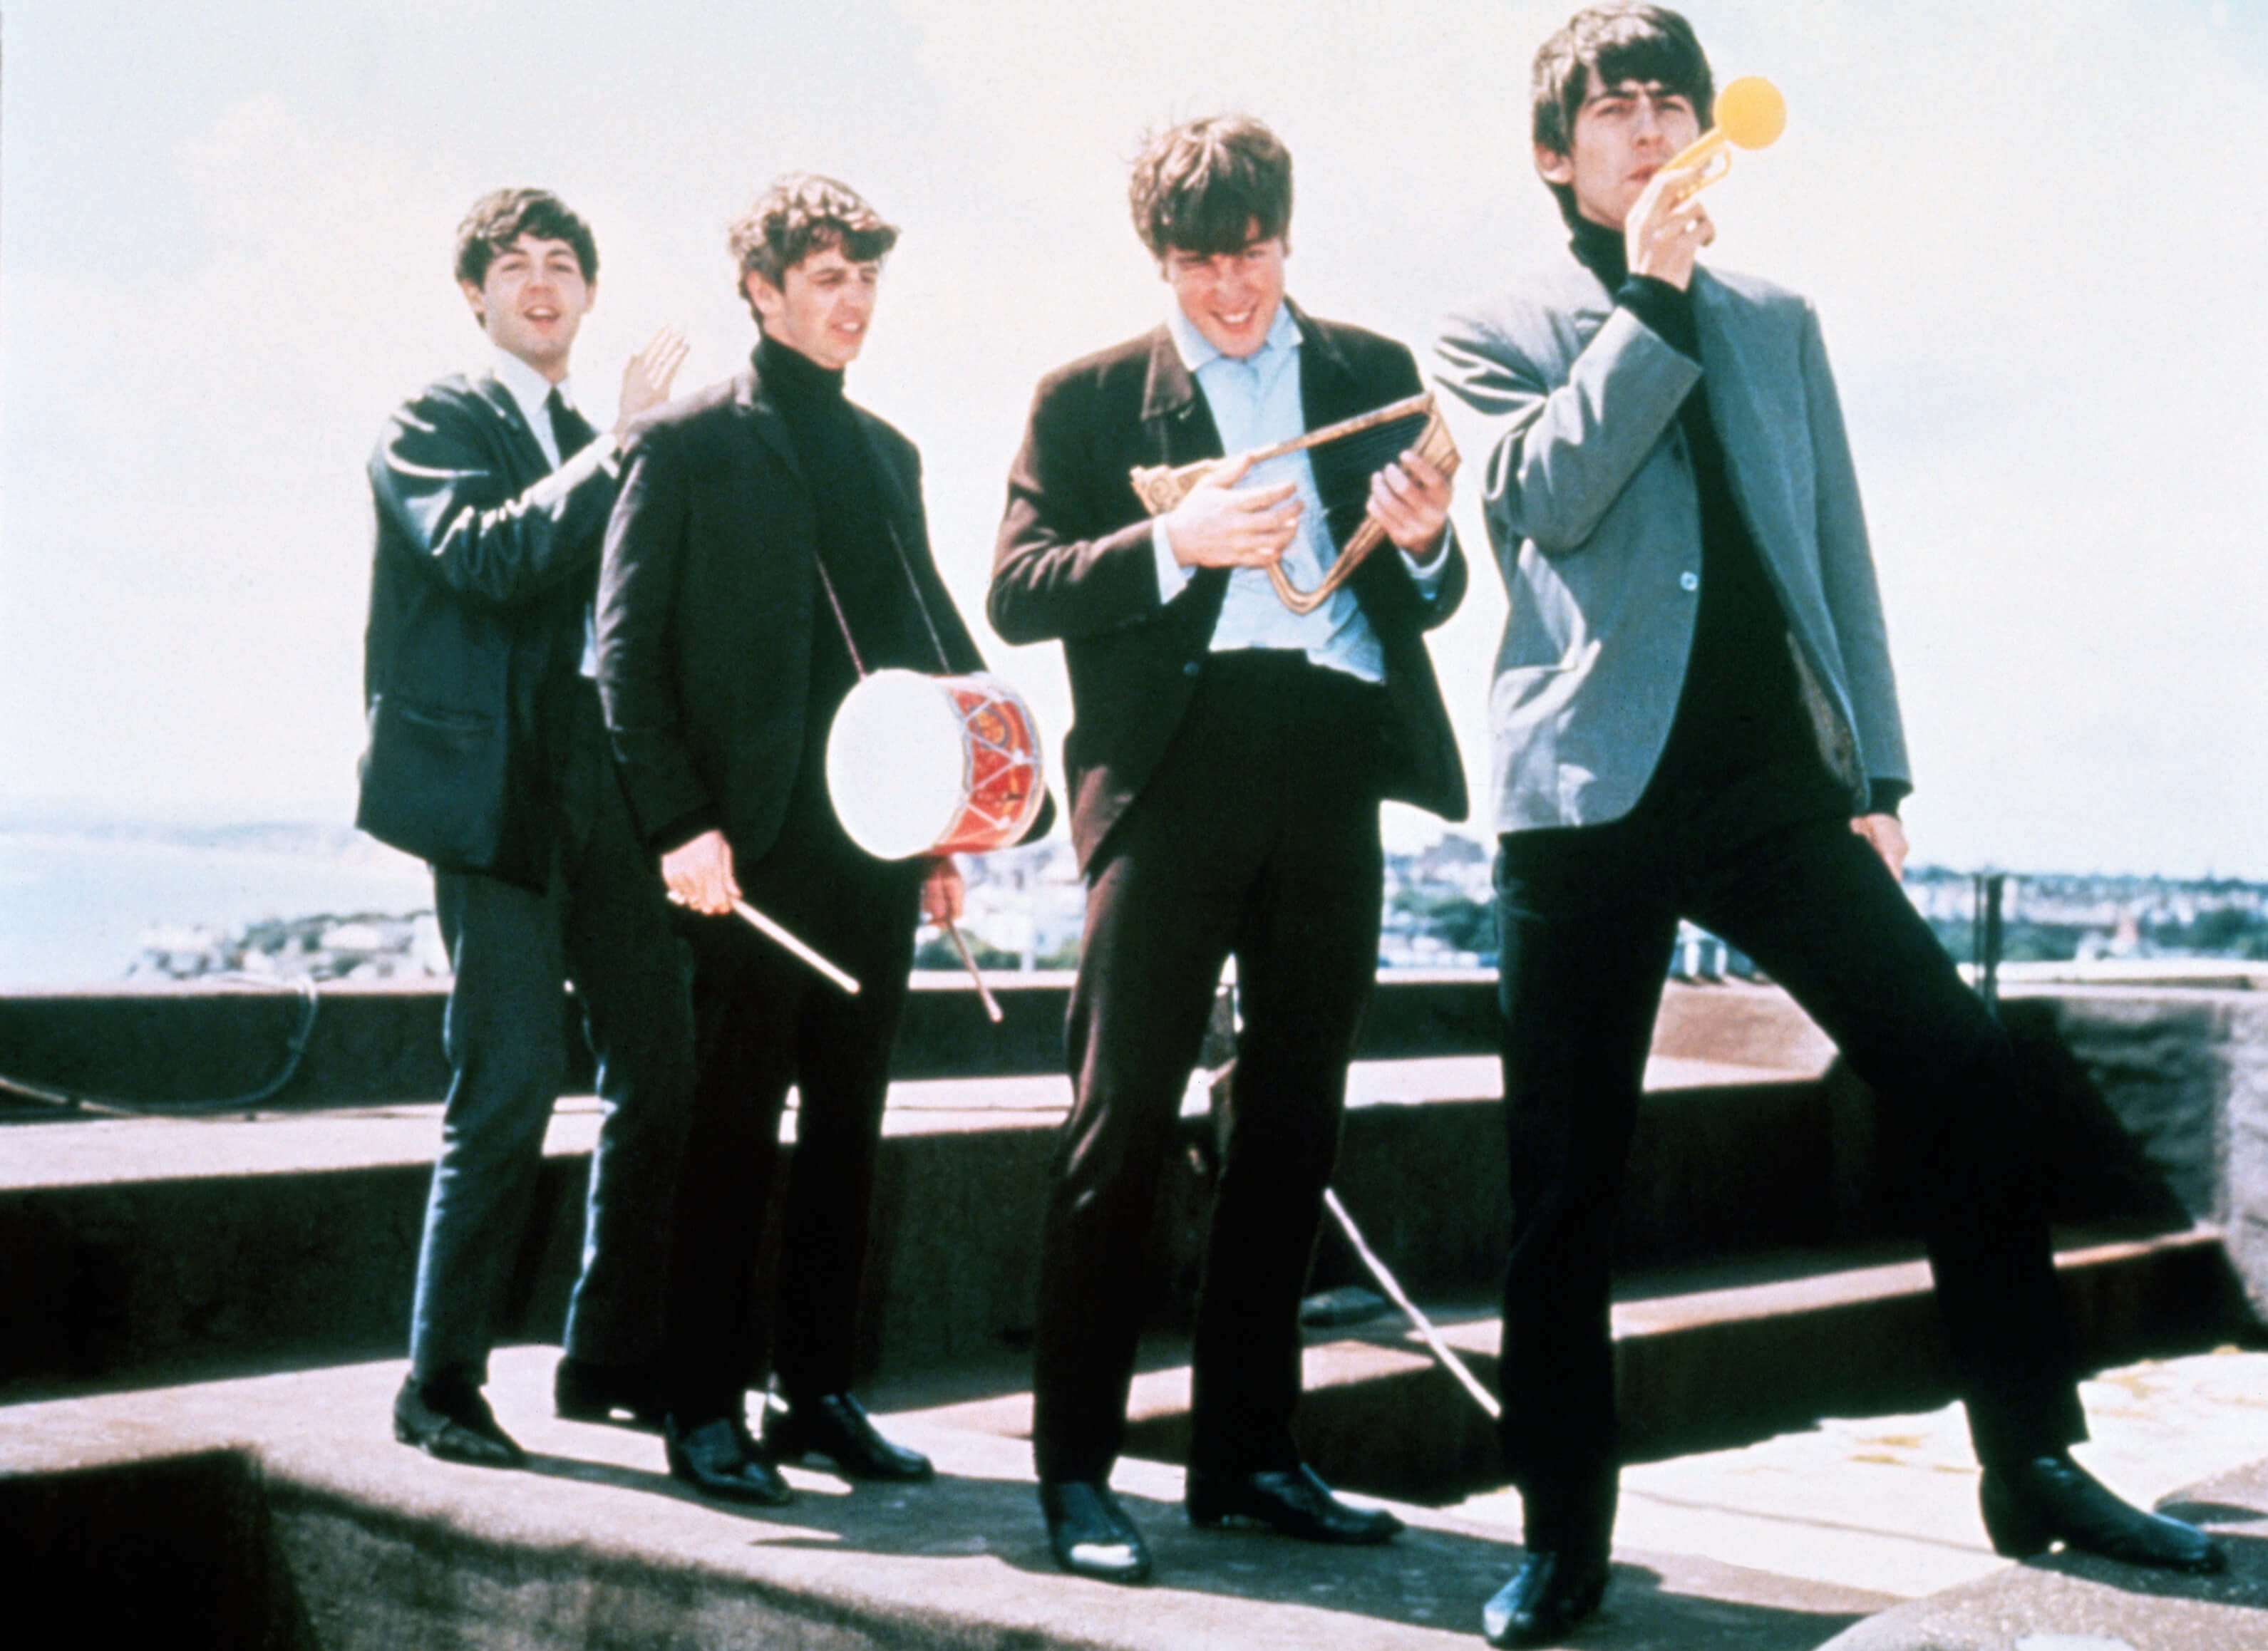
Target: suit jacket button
[
  {"x": 1190, "y": 669},
  {"x": 1689, "y": 582}
]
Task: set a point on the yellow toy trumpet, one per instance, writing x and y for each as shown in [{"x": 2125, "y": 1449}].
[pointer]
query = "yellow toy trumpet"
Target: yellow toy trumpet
[{"x": 1750, "y": 113}]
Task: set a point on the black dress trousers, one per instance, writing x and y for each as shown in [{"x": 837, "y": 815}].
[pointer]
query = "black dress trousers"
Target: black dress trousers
[
  {"x": 1256, "y": 838},
  {"x": 1587, "y": 918}
]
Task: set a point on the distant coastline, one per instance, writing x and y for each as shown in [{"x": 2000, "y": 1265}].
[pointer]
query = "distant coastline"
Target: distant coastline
[
  {"x": 87, "y": 900},
  {"x": 79, "y": 896}
]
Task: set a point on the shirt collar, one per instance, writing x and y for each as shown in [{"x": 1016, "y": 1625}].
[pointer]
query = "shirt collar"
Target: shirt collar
[
  {"x": 1197, "y": 351},
  {"x": 530, "y": 388}
]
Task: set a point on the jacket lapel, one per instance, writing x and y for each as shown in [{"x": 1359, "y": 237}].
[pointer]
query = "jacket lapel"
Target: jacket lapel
[
  {"x": 525, "y": 448},
  {"x": 1177, "y": 426},
  {"x": 1747, "y": 425},
  {"x": 1329, "y": 390}
]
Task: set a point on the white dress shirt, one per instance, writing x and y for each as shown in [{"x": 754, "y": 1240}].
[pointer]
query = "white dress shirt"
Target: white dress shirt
[{"x": 531, "y": 391}]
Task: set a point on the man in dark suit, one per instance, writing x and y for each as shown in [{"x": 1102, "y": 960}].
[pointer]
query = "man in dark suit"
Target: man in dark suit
[
  {"x": 769, "y": 550},
  {"x": 1225, "y": 766},
  {"x": 1694, "y": 715},
  {"x": 488, "y": 758}
]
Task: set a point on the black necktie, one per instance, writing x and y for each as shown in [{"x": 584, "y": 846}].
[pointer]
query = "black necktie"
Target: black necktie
[{"x": 569, "y": 429}]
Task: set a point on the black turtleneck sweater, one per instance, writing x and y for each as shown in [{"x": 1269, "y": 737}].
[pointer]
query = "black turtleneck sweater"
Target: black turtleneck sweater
[
  {"x": 1740, "y": 748},
  {"x": 856, "y": 557}
]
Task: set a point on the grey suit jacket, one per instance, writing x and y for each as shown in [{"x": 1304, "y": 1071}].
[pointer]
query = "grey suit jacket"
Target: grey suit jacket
[{"x": 1565, "y": 409}]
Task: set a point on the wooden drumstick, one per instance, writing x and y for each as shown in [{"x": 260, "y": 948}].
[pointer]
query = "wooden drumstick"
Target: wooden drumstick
[
  {"x": 984, "y": 992},
  {"x": 767, "y": 926}
]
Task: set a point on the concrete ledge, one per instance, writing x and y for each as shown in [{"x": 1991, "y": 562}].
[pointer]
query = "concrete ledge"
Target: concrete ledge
[
  {"x": 186, "y": 1043},
  {"x": 375, "y": 1546},
  {"x": 2178, "y": 1082}
]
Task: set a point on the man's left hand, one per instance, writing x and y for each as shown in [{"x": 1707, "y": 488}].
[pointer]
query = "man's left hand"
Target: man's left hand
[
  {"x": 1410, "y": 499},
  {"x": 1886, "y": 837},
  {"x": 941, "y": 892}
]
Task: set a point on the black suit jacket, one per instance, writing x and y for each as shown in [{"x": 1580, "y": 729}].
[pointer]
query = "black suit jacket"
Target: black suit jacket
[
  {"x": 485, "y": 558},
  {"x": 1074, "y": 562},
  {"x": 707, "y": 605}
]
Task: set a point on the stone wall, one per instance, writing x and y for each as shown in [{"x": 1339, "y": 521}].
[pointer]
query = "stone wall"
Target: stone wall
[{"x": 2185, "y": 1075}]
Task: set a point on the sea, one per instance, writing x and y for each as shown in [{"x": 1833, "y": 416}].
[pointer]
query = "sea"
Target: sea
[{"x": 79, "y": 900}]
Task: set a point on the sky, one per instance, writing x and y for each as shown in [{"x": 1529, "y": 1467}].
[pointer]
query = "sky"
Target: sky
[{"x": 2034, "y": 232}]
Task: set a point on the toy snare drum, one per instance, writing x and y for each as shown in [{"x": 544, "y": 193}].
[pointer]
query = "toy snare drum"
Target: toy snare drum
[{"x": 927, "y": 765}]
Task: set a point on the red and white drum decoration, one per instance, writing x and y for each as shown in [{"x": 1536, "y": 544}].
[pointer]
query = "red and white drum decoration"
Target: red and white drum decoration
[{"x": 929, "y": 765}]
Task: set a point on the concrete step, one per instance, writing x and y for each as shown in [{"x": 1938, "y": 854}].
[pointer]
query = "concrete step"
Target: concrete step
[
  {"x": 1716, "y": 1355},
  {"x": 153, "y": 1250},
  {"x": 1705, "y": 1358}
]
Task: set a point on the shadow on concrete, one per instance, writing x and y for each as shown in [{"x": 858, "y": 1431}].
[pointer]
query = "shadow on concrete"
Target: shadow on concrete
[
  {"x": 2245, "y": 1581},
  {"x": 1428, "y": 1577},
  {"x": 179, "y": 1552}
]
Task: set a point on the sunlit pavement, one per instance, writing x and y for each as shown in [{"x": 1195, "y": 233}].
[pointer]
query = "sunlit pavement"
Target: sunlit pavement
[{"x": 1889, "y": 1503}]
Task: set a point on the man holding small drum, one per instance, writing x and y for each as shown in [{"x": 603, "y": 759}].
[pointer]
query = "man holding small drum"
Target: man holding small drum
[{"x": 770, "y": 549}]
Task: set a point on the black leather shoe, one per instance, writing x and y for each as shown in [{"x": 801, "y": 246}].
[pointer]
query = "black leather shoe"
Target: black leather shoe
[
  {"x": 583, "y": 1389},
  {"x": 1295, "y": 1502},
  {"x": 717, "y": 1459},
  {"x": 835, "y": 1426},
  {"x": 1549, "y": 1594},
  {"x": 451, "y": 1421},
  {"x": 2030, "y": 1504},
  {"x": 1090, "y": 1532}
]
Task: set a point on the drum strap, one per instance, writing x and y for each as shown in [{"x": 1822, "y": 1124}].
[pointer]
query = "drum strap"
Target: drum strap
[
  {"x": 858, "y": 662},
  {"x": 913, "y": 588}
]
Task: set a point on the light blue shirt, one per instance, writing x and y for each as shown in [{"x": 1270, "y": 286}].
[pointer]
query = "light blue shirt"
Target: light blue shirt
[{"x": 1254, "y": 402}]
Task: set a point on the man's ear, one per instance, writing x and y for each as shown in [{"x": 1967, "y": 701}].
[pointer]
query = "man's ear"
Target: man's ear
[
  {"x": 764, "y": 297},
  {"x": 1554, "y": 167},
  {"x": 480, "y": 309}
]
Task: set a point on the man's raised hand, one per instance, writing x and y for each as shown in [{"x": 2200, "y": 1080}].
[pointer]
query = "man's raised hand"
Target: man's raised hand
[
  {"x": 1667, "y": 228},
  {"x": 647, "y": 379}
]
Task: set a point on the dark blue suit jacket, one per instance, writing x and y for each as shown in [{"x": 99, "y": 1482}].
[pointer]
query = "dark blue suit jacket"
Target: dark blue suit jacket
[{"x": 485, "y": 558}]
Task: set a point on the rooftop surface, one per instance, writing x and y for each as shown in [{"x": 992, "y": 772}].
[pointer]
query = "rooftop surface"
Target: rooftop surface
[{"x": 1790, "y": 1543}]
